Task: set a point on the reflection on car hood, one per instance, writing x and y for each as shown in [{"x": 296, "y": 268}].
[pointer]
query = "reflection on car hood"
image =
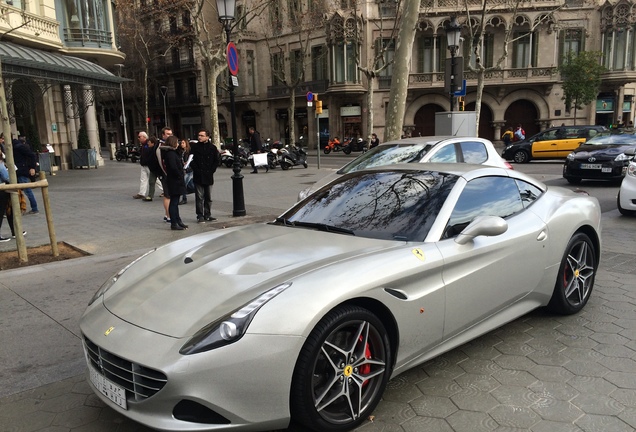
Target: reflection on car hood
[
  {"x": 597, "y": 150},
  {"x": 188, "y": 284}
]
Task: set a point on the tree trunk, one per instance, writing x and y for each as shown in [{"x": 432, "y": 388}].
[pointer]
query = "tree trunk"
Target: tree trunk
[
  {"x": 401, "y": 69},
  {"x": 290, "y": 114},
  {"x": 481, "y": 78},
  {"x": 369, "y": 109}
]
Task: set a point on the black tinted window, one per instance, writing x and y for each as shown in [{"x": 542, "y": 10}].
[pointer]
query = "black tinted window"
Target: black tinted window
[
  {"x": 382, "y": 204},
  {"x": 486, "y": 196}
]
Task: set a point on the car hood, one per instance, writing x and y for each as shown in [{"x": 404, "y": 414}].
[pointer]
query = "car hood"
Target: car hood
[
  {"x": 600, "y": 150},
  {"x": 186, "y": 285}
]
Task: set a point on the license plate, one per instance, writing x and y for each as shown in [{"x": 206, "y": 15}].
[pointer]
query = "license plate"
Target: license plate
[
  {"x": 108, "y": 388},
  {"x": 606, "y": 170},
  {"x": 591, "y": 166}
]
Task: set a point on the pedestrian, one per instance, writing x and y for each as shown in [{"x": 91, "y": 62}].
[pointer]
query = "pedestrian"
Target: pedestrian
[
  {"x": 24, "y": 160},
  {"x": 375, "y": 141},
  {"x": 205, "y": 160},
  {"x": 165, "y": 133},
  {"x": 184, "y": 152},
  {"x": 142, "y": 137},
  {"x": 175, "y": 181},
  {"x": 519, "y": 134},
  {"x": 256, "y": 146},
  {"x": 5, "y": 200},
  {"x": 508, "y": 136},
  {"x": 154, "y": 169}
]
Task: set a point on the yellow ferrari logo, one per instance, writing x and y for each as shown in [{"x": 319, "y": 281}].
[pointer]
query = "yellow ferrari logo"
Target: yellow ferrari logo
[
  {"x": 576, "y": 273},
  {"x": 107, "y": 332},
  {"x": 419, "y": 253},
  {"x": 348, "y": 370}
]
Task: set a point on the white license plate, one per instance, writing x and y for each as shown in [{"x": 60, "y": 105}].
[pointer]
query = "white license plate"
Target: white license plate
[
  {"x": 591, "y": 166},
  {"x": 108, "y": 388},
  {"x": 606, "y": 170}
]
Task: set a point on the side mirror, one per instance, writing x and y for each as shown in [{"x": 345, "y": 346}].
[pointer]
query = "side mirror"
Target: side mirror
[{"x": 482, "y": 225}]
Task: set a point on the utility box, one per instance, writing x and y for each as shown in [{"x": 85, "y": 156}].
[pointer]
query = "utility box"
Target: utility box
[{"x": 456, "y": 123}]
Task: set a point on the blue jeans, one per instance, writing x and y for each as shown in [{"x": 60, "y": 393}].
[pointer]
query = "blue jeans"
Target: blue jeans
[{"x": 29, "y": 193}]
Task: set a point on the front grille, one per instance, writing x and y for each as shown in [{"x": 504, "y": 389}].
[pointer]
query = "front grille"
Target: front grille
[{"x": 139, "y": 381}]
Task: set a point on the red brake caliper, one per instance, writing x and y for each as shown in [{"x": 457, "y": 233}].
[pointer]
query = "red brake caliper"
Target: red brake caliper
[{"x": 365, "y": 369}]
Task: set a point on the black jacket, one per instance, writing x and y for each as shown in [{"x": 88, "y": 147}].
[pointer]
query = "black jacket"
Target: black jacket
[
  {"x": 205, "y": 159},
  {"x": 174, "y": 171},
  {"x": 256, "y": 145},
  {"x": 23, "y": 157}
]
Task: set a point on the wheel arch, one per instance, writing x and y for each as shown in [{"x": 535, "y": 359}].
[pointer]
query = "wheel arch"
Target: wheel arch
[{"x": 593, "y": 236}]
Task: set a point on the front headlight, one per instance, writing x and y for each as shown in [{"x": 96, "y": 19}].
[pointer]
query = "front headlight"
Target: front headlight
[
  {"x": 622, "y": 157},
  {"x": 508, "y": 147},
  {"x": 111, "y": 281},
  {"x": 631, "y": 169},
  {"x": 570, "y": 157},
  {"x": 230, "y": 328}
]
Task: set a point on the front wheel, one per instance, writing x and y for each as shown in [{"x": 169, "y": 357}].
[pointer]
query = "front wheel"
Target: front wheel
[
  {"x": 521, "y": 156},
  {"x": 119, "y": 157},
  {"x": 285, "y": 165},
  {"x": 342, "y": 371},
  {"x": 305, "y": 164},
  {"x": 575, "y": 279},
  {"x": 346, "y": 150},
  {"x": 327, "y": 150}
]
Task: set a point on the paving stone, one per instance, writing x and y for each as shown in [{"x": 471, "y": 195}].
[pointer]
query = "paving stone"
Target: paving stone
[
  {"x": 514, "y": 416},
  {"x": 433, "y": 406},
  {"x": 469, "y": 421},
  {"x": 438, "y": 387},
  {"x": 514, "y": 377},
  {"x": 419, "y": 424},
  {"x": 551, "y": 426},
  {"x": 553, "y": 390},
  {"x": 595, "y": 423},
  {"x": 514, "y": 396},
  {"x": 598, "y": 404},
  {"x": 76, "y": 417},
  {"x": 586, "y": 384},
  {"x": 586, "y": 368},
  {"x": 557, "y": 410},
  {"x": 478, "y": 382},
  {"x": 474, "y": 400},
  {"x": 626, "y": 397}
]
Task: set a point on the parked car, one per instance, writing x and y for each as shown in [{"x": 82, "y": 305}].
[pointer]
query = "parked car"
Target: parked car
[
  {"x": 553, "y": 143},
  {"x": 444, "y": 149},
  {"x": 600, "y": 158},
  {"x": 306, "y": 318},
  {"x": 626, "y": 199}
]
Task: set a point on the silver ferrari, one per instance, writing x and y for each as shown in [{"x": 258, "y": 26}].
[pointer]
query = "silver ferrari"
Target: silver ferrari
[{"x": 307, "y": 317}]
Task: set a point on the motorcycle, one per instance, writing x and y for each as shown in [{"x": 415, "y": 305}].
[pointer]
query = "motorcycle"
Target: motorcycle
[
  {"x": 272, "y": 153},
  {"x": 128, "y": 151},
  {"x": 227, "y": 156},
  {"x": 333, "y": 145},
  {"x": 355, "y": 145},
  {"x": 291, "y": 155}
]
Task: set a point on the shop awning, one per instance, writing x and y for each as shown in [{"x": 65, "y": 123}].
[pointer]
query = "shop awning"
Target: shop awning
[{"x": 21, "y": 61}]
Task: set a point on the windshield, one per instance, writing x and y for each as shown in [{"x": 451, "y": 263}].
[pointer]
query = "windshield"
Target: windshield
[
  {"x": 616, "y": 139},
  {"x": 388, "y": 154},
  {"x": 388, "y": 204}
]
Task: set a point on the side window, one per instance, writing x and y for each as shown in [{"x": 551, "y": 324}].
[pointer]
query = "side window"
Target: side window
[
  {"x": 592, "y": 133},
  {"x": 446, "y": 154},
  {"x": 474, "y": 152},
  {"x": 529, "y": 193},
  {"x": 542, "y": 137},
  {"x": 485, "y": 196}
]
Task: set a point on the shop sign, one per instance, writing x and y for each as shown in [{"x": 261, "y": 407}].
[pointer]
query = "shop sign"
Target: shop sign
[
  {"x": 350, "y": 111},
  {"x": 605, "y": 105}
]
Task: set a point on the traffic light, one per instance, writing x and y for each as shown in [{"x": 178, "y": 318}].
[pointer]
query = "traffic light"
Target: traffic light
[
  {"x": 318, "y": 104},
  {"x": 460, "y": 101}
]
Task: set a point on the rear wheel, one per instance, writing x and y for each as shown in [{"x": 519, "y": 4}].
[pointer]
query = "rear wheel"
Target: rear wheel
[
  {"x": 119, "y": 157},
  {"x": 305, "y": 164},
  {"x": 575, "y": 279},
  {"x": 285, "y": 165},
  {"x": 327, "y": 150},
  {"x": 342, "y": 371},
  {"x": 521, "y": 156},
  {"x": 347, "y": 150}
]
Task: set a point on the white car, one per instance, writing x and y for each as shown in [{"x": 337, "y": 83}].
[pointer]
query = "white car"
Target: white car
[
  {"x": 439, "y": 149},
  {"x": 626, "y": 200}
]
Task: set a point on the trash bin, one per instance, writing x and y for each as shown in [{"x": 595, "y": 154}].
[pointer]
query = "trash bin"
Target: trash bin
[{"x": 46, "y": 160}]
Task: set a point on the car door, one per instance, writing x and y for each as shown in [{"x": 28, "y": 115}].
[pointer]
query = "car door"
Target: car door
[
  {"x": 490, "y": 273},
  {"x": 545, "y": 145},
  {"x": 574, "y": 137}
]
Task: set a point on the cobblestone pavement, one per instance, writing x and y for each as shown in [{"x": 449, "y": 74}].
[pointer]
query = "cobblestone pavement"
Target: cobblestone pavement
[{"x": 540, "y": 373}]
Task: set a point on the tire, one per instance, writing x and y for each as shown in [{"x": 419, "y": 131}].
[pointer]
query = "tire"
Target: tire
[
  {"x": 327, "y": 150},
  {"x": 573, "y": 180},
  {"x": 305, "y": 164},
  {"x": 335, "y": 358},
  {"x": 133, "y": 159},
  {"x": 119, "y": 157},
  {"x": 521, "y": 156},
  {"x": 575, "y": 279},
  {"x": 285, "y": 165},
  {"x": 229, "y": 163},
  {"x": 622, "y": 210},
  {"x": 346, "y": 150}
]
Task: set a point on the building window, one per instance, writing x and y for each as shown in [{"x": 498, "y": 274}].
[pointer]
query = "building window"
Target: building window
[
  {"x": 387, "y": 46},
  {"x": 570, "y": 41},
  {"x": 296, "y": 65},
  {"x": 250, "y": 88},
  {"x": 278, "y": 69},
  {"x": 524, "y": 50},
  {"x": 618, "y": 48},
  {"x": 345, "y": 70},
  {"x": 486, "y": 55},
  {"x": 318, "y": 63},
  {"x": 276, "y": 14},
  {"x": 295, "y": 11},
  {"x": 429, "y": 49},
  {"x": 86, "y": 21}
]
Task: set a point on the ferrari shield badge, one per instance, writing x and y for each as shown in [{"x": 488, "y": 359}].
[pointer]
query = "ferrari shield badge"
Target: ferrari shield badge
[
  {"x": 107, "y": 332},
  {"x": 419, "y": 253}
]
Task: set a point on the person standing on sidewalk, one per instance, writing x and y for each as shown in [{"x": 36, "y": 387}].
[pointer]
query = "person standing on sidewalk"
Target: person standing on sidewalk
[
  {"x": 165, "y": 133},
  {"x": 175, "y": 182},
  {"x": 256, "y": 146},
  {"x": 143, "y": 161},
  {"x": 154, "y": 170},
  {"x": 25, "y": 162},
  {"x": 205, "y": 159}
]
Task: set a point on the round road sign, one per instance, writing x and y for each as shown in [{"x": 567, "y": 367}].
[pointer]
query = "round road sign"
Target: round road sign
[
  {"x": 232, "y": 58},
  {"x": 310, "y": 96}
]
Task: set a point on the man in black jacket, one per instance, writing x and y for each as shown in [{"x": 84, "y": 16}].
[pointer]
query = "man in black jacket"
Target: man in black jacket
[
  {"x": 205, "y": 159},
  {"x": 256, "y": 146},
  {"x": 24, "y": 159}
]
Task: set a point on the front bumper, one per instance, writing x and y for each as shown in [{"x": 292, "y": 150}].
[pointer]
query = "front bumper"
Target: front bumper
[
  {"x": 246, "y": 383},
  {"x": 600, "y": 171},
  {"x": 628, "y": 193}
]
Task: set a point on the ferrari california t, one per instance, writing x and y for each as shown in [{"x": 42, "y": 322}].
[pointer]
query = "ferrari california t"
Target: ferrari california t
[{"x": 305, "y": 319}]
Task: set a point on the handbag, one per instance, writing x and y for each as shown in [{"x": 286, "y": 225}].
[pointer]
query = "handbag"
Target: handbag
[{"x": 260, "y": 159}]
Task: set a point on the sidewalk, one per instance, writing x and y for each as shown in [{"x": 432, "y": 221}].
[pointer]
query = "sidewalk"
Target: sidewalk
[{"x": 538, "y": 373}]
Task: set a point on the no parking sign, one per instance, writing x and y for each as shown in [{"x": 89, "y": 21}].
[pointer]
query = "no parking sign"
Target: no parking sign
[{"x": 232, "y": 59}]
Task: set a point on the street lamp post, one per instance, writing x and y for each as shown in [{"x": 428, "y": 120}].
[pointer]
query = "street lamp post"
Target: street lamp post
[
  {"x": 164, "y": 91},
  {"x": 453, "y": 30},
  {"x": 123, "y": 107},
  {"x": 226, "y": 9}
]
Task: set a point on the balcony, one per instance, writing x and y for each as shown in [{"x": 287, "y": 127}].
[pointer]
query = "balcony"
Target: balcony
[
  {"x": 87, "y": 37},
  {"x": 281, "y": 91},
  {"x": 447, "y": 6},
  {"x": 547, "y": 75},
  {"x": 184, "y": 100},
  {"x": 36, "y": 29}
]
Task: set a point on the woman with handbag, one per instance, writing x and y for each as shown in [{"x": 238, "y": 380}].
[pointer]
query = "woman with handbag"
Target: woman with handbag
[{"x": 184, "y": 151}]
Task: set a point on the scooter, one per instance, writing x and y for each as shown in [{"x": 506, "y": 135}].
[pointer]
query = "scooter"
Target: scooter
[
  {"x": 272, "y": 153},
  {"x": 290, "y": 156},
  {"x": 355, "y": 145},
  {"x": 333, "y": 145},
  {"x": 227, "y": 156},
  {"x": 127, "y": 151}
]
